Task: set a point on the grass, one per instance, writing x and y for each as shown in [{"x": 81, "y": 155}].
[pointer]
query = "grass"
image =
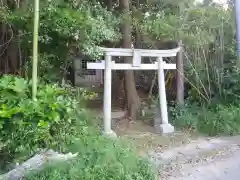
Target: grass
[
  {"x": 209, "y": 120},
  {"x": 99, "y": 158}
]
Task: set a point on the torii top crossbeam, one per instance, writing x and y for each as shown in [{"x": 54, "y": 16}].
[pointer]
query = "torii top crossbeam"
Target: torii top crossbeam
[
  {"x": 141, "y": 52},
  {"x": 138, "y": 53}
]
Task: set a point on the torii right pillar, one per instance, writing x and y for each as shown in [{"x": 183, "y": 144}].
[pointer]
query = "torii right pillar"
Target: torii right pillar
[{"x": 161, "y": 122}]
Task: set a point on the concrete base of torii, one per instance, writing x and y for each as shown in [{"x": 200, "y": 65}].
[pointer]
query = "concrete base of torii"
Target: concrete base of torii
[
  {"x": 161, "y": 128},
  {"x": 165, "y": 129},
  {"x": 110, "y": 134}
]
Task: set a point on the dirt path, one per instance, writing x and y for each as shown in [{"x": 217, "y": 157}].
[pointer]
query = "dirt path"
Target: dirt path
[
  {"x": 226, "y": 166},
  {"x": 144, "y": 138},
  {"x": 142, "y": 135},
  {"x": 202, "y": 159}
]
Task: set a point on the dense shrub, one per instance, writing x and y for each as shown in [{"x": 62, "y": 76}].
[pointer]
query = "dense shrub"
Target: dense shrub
[
  {"x": 27, "y": 125},
  {"x": 211, "y": 120}
]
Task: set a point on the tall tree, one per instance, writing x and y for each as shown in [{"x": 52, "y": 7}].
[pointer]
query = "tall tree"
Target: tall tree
[{"x": 131, "y": 95}]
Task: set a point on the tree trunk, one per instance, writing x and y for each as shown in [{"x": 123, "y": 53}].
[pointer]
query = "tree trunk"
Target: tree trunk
[
  {"x": 132, "y": 100},
  {"x": 138, "y": 35},
  {"x": 180, "y": 76},
  {"x": 110, "y": 5}
]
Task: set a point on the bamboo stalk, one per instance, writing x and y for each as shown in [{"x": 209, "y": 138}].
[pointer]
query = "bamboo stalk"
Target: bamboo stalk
[{"x": 35, "y": 49}]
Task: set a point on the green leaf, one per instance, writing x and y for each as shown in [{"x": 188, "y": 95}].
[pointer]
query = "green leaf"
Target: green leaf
[{"x": 43, "y": 124}]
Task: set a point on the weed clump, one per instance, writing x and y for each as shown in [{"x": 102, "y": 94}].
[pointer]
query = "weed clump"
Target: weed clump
[{"x": 211, "y": 120}]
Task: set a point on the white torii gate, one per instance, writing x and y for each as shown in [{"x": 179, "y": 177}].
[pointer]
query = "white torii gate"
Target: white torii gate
[{"x": 108, "y": 65}]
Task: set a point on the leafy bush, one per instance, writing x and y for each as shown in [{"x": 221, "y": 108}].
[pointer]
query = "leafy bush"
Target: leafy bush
[
  {"x": 184, "y": 117},
  {"x": 220, "y": 120},
  {"x": 211, "y": 120},
  {"x": 27, "y": 125}
]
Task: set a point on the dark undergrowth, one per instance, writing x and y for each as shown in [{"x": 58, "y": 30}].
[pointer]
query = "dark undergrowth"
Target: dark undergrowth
[{"x": 212, "y": 120}]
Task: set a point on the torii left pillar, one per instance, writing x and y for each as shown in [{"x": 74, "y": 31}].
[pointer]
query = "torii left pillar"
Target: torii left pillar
[{"x": 107, "y": 97}]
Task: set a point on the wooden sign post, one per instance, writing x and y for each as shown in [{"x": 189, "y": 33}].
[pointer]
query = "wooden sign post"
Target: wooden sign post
[{"x": 108, "y": 65}]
